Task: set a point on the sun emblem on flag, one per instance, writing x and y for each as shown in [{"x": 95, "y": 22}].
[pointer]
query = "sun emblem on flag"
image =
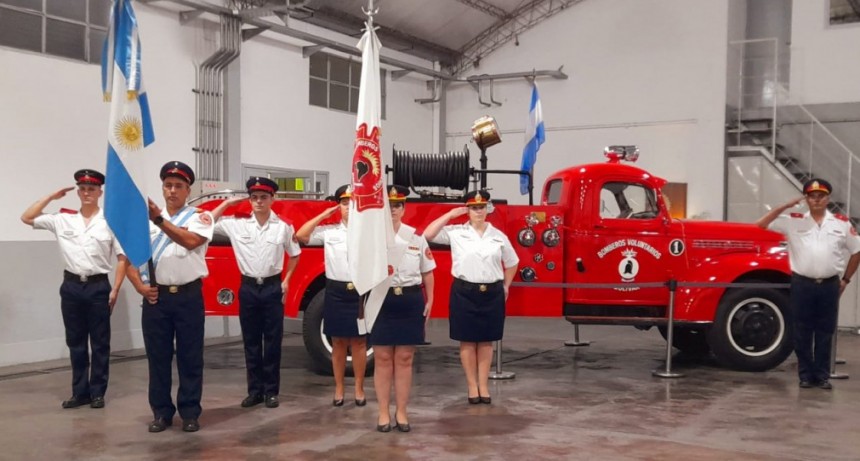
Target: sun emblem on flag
[{"x": 129, "y": 132}]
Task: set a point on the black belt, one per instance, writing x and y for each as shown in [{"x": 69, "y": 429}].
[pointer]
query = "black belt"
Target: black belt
[
  {"x": 348, "y": 286},
  {"x": 261, "y": 280},
  {"x": 818, "y": 281},
  {"x": 174, "y": 289},
  {"x": 482, "y": 287},
  {"x": 397, "y": 291},
  {"x": 83, "y": 278}
]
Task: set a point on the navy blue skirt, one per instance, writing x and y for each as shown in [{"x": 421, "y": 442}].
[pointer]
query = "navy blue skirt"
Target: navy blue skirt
[
  {"x": 340, "y": 310},
  {"x": 401, "y": 319},
  {"x": 476, "y": 316}
]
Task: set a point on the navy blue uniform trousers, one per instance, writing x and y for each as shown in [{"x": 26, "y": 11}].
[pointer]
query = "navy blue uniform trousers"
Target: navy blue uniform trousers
[
  {"x": 181, "y": 316},
  {"x": 815, "y": 307},
  {"x": 86, "y": 316},
  {"x": 261, "y": 315}
]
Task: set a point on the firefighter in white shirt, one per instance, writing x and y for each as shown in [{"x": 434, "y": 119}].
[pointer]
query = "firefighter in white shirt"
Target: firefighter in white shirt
[
  {"x": 824, "y": 252},
  {"x": 483, "y": 264},
  {"x": 400, "y": 324},
  {"x": 341, "y": 308},
  {"x": 86, "y": 297},
  {"x": 260, "y": 240},
  {"x": 173, "y": 300}
]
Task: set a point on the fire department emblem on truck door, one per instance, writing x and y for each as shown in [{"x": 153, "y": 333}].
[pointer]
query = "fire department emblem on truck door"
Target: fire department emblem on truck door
[
  {"x": 676, "y": 247},
  {"x": 629, "y": 266},
  {"x": 368, "y": 192}
]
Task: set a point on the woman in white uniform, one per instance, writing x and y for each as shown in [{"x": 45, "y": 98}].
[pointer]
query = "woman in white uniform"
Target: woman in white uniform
[
  {"x": 341, "y": 308},
  {"x": 400, "y": 325},
  {"x": 483, "y": 264}
]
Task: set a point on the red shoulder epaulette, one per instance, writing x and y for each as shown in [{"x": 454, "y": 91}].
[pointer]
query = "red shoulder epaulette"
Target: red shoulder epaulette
[
  {"x": 242, "y": 215},
  {"x": 68, "y": 211},
  {"x": 796, "y": 215},
  {"x": 841, "y": 217}
]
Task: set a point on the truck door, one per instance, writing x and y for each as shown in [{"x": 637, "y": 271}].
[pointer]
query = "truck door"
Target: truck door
[{"x": 631, "y": 241}]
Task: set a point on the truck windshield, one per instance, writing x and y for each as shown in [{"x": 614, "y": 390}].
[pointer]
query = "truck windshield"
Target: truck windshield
[{"x": 621, "y": 200}]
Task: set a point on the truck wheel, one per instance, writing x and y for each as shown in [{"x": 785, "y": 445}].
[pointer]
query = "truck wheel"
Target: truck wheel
[
  {"x": 318, "y": 345},
  {"x": 693, "y": 341},
  {"x": 752, "y": 330}
]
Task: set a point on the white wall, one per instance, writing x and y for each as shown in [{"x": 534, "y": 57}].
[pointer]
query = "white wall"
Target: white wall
[
  {"x": 825, "y": 60},
  {"x": 53, "y": 122},
  {"x": 645, "y": 73}
]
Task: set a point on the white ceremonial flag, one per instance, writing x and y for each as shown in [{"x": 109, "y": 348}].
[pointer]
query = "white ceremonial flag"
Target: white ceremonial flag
[{"x": 369, "y": 232}]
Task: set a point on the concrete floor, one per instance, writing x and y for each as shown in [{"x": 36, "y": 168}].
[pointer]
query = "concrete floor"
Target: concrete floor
[{"x": 598, "y": 402}]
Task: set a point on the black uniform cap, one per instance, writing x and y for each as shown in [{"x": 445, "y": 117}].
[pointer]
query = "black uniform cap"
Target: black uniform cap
[
  {"x": 342, "y": 192},
  {"x": 477, "y": 197},
  {"x": 179, "y": 170},
  {"x": 257, "y": 183},
  {"x": 397, "y": 193},
  {"x": 91, "y": 177},
  {"x": 817, "y": 185}
]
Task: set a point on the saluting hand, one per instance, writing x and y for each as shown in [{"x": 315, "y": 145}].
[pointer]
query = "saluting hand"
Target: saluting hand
[
  {"x": 154, "y": 210},
  {"x": 459, "y": 211},
  {"x": 331, "y": 210},
  {"x": 61, "y": 193}
]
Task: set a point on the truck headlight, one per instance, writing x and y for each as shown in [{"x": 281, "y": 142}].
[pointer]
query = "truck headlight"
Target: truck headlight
[{"x": 526, "y": 237}]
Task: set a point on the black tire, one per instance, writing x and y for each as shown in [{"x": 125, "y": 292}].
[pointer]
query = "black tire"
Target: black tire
[
  {"x": 752, "y": 329},
  {"x": 318, "y": 345},
  {"x": 693, "y": 341}
]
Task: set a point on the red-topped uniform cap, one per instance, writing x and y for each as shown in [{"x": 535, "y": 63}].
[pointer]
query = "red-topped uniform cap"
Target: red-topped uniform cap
[
  {"x": 817, "y": 185},
  {"x": 91, "y": 177},
  {"x": 257, "y": 183},
  {"x": 178, "y": 170}
]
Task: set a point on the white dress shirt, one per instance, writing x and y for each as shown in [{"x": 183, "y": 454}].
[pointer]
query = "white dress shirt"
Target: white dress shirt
[
  {"x": 417, "y": 258},
  {"x": 87, "y": 249},
  {"x": 259, "y": 249},
  {"x": 476, "y": 258},
  {"x": 333, "y": 239},
  {"x": 178, "y": 265},
  {"x": 818, "y": 251}
]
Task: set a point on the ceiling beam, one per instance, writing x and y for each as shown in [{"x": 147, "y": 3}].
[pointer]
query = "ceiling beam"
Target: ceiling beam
[
  {"x": 520, "y": 20},
  {"x": 486, "y": 7},
  {"x": 282, "y": 29}
]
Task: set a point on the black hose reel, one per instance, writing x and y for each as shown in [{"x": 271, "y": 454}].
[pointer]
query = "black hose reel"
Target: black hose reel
[{"x": 449, "y": 169}]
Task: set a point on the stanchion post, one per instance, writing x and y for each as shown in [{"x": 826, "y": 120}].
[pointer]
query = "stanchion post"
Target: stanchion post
[
  {"x": 670, "y": 327},
  {"x": 499, "y": 374},
  {"x": 833, "y": 373},
  {"x": 576, "y": 342}
]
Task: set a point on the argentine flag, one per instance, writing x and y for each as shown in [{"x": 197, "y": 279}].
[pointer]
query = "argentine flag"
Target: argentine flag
[
  {"x": 129, "y": 131},
  {"x": 535, "y": 136}
]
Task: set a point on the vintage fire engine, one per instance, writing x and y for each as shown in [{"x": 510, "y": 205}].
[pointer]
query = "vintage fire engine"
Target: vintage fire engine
[{"x": 597, "y": 224}]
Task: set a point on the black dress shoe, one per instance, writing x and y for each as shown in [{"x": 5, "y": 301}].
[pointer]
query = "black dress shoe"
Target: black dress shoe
[
  {"x": 97, "y": 402},
  {"x": 402, "y": 427},
  {"x": 486, "y": 400},
  {"x": 474, "y": 400},
  {"x": 76, "y": 402},
  {"x": 337, "y": 402},
  {"x": 805, "y": 384},
  {"x": 272, "y": 401},
  {"x": 160, "y": 424},
  {"x": 383, "y": 427},
  {"x": 190, "y": 425},
  {"x": 361, "y": 403},
  {"x": 252, "y": 400},
  {"x": 825, "y": 385}
]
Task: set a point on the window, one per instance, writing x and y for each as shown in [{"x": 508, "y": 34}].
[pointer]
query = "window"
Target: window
[
  {"x": 334, "y": 82},
  {"x": 844, "y": 11},
  {"x": 304, "y": 184},
  {"x": 621, "y": 200},
  {"x": 69, "y": 28},
  {"x": 553, "y": 191}
]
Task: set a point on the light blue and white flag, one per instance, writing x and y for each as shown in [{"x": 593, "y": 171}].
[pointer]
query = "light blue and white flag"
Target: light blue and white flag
[
  {"x": 535, "y": 136},
  {"x": 129, "y": 131}
]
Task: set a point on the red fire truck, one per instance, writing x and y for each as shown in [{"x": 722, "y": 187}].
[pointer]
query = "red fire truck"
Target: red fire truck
[{"x": 597, "y": 224}]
